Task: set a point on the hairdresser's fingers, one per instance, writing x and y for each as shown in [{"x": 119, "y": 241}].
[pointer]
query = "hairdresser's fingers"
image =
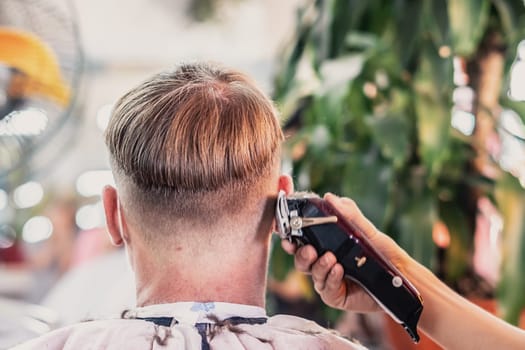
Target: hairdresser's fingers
[
  {"x": 304, "y": 258},
  {"x": 381, "y": 242},
  {"x": 349, "y": 209},
  {"x": 288, "y": 246},
  {"x": 321, "y": 269},
  {"x": 335, "y": 291}
]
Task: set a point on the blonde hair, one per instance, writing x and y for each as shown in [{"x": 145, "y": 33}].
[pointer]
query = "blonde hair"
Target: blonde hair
[{"x": 193, "y": 141}]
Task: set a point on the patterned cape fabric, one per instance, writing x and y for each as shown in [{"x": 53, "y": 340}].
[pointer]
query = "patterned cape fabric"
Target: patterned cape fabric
[{"x": 176, "y": 326}]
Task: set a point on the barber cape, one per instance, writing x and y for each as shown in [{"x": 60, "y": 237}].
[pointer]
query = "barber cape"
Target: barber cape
[{"x": 188, "y": 325}]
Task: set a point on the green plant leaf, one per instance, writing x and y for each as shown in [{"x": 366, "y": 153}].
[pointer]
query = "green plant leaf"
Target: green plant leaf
[
  {"x": 433, "y": 113},
  {"x": 360, "y": 41},
  {"x": 285, "y": 79},
  {"x": 392, "y": 134},
  {"x": 433, "y": 132},
  {"x": 340, "y": 11},
  {"x": 436, "y": 21},
  {"x": 510, "y": 14},
  {"x": 415, "y": 224},
  {"x": 408, "y": 19},
  {"x": 510, "y": 198},
  {"x": 468, "y": 20},
  {"x": 367, "y": 179},
  {"x": 328, "y": 111},
  {"x": 392, "y": 129},
  {"x": 301, "y": 86}
]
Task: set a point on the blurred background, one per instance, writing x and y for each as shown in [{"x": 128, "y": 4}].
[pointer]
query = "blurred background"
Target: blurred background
[{"x": 412, "y": 108}]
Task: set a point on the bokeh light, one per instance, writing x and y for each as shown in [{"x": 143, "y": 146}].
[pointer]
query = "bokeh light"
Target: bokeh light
[
  {"x": 37, "y": 229},
  {"x": 28, "y": 195},
  {"x": 91, "y": 183}
]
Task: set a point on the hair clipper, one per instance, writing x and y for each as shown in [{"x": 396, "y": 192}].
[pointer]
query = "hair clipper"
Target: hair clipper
[{"x": 308, "y": 219}]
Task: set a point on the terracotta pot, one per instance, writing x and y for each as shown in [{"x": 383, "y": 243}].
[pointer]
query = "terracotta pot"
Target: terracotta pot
[{"x": 399, "y": 340}]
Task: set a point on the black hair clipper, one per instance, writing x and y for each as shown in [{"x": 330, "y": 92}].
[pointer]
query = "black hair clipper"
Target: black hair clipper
[{"x": 308, "y": 219}]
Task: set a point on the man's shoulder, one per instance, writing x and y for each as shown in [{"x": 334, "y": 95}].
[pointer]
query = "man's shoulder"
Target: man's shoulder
[
  {"x": 298, "y": 326},
  {"x": 296, "y": 323},
  {"x": 99, "y": 334}
]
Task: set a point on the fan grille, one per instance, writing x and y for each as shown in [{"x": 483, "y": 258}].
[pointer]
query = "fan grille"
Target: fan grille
[{"x": 53, "y": 23}]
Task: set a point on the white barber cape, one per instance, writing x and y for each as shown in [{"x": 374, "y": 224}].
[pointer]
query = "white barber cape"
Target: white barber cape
[{"x": 188, "y": 325}]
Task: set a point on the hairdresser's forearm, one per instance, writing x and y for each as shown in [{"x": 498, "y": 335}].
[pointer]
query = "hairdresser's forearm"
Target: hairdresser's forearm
[{"x": 455, "y": 323}]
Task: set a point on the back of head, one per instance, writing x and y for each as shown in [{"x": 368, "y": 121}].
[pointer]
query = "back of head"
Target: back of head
[{"x": 191, "y": 145}]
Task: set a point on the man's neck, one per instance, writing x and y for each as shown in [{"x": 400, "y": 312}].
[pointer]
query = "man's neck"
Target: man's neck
[{"x": 236, "y": 276}]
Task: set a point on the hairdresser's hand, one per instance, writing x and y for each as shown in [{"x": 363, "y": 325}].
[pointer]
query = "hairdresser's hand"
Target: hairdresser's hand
[{"x": 327, "y": 274}]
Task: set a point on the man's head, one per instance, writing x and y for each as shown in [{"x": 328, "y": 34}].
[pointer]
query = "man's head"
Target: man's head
[{"x": 192, "y": 146}]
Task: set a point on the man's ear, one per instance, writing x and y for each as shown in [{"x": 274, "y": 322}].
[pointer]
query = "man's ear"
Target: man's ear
[
  {"x": 286, "y": 184},
  {"x": 111, "y": 209}
]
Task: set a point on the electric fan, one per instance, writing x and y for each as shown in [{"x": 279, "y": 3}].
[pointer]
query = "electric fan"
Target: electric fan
[{"x": 40, "y": 69}]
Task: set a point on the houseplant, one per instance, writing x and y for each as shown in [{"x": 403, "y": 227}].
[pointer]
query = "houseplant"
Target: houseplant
[{"x": 397, "y": 104}]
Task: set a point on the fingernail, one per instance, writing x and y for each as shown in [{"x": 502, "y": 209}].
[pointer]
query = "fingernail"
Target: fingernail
[
  {"x": 325, "y": 260},
  {"x": 304, "y": 254}
]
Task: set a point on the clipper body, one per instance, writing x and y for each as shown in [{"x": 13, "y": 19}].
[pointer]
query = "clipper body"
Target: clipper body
[{"x": 311, "y": 220}]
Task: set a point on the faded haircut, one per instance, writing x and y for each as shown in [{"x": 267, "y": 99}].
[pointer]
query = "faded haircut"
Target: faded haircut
[{"x": 192, "y": 142}]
